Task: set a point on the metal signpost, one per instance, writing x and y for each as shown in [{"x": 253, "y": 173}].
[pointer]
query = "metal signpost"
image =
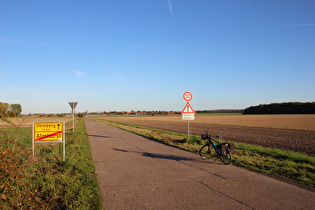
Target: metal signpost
[
  {"x": 73, "y": 105},
  {"x": 49, "y": 132},
  {"x": 188, "y": 113}
]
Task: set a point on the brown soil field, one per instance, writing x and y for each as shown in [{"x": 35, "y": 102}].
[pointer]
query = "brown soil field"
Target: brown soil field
[
  {"x": 28, "y": 121},
  {"x": 287, "y": 132}
]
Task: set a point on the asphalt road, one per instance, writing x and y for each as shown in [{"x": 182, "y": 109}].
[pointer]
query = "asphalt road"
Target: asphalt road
[{"x": 137, "y": 173}]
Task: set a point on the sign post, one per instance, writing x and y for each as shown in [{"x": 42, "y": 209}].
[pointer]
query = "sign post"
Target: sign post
[
  {"x": 73, "y": 105},
  {"x": 49, "y": 132},
  {"x": 188, "y": 113}
]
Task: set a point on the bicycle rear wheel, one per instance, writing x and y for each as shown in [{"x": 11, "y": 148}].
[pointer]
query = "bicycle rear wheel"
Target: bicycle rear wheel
[
  {"x": 206, "y": 151},
  {"x": 226, "y": 159}
]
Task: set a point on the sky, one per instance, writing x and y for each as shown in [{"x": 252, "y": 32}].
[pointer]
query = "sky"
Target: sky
[{"x": 123, "y": 55}]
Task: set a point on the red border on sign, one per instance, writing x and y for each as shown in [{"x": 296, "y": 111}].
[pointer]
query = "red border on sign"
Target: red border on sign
[
  {"x": 188, "y": 93},
  {"x": 190, "y": 112}
]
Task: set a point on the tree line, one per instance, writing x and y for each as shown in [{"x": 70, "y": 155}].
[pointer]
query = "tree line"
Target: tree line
[
  {"x": 220, "y": 111},
  {"x": 10, "y": 110},
  {"x": 282, "y": 108}
]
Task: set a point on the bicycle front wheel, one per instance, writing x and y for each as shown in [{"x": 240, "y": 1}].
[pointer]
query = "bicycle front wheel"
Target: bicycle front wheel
[
  {"x": 206, "y": 151},
  {"x": 226, "y": 159}
]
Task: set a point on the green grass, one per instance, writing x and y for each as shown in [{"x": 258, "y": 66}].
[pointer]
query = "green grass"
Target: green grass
[
  {"x": 45, "y": 181},
  {"x": 295, "y": 166}
]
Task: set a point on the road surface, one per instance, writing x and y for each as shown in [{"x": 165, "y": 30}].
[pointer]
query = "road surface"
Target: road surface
[{"x": 137, "y": 173}]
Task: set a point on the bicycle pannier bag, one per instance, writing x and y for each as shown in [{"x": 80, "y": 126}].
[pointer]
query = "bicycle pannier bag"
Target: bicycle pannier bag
[
  {"x": 231, "y": 147},
  {"x": 222, "y": 149}
]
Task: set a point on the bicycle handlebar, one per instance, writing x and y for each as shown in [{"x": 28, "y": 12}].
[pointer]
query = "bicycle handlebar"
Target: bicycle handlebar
[{"x": 207, "y": 136}]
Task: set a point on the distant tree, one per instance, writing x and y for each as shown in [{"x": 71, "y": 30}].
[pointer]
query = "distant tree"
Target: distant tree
[
  {"x": 4, "y": 108},
  {"x": 15, "y": 109},
  {"x": 282, "y": 108},
  {"x": 80, "y": 115}
]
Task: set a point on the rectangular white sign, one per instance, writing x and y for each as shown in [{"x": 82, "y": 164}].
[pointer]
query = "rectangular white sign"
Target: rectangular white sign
[{"x": 190, "y": 116}]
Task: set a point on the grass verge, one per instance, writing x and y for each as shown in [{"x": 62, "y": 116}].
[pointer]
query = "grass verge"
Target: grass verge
[
  {"x": 282, "y": 164},
  {"x": 45, "y": 181}
]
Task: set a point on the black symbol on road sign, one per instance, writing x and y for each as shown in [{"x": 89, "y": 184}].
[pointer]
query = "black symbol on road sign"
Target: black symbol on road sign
[
  {"x": 188, "y": 109},
  {"x": 187, "y": 96}
]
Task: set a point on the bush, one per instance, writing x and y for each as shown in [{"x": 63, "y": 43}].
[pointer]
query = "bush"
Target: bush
[{"x": 80, "y": 115}]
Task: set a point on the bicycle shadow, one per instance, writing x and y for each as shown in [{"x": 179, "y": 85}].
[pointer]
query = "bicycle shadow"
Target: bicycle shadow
[
  {"x": 158, "y": 156},
  {"x": 180, "y": 159},
  {"x": 98, "y": 136},
  {"x": 170, "y": 157},
  {"x": 167, "y": 157}
]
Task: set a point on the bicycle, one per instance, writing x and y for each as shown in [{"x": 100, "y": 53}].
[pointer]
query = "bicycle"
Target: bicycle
[{"x": 213, "y": 148}]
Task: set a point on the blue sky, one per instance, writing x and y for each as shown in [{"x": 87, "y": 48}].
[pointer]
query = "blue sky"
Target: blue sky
[{"x": 122, "y": 55}]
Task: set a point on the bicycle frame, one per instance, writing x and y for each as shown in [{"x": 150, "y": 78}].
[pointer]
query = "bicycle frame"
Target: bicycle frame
[
  {"x": 211, "y": 142},
  {"x": 216, "y": 142}
]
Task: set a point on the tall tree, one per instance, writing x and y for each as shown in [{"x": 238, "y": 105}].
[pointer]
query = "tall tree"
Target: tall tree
[
  {"x": 4, "y": 108},
  {"x": 16, "y": 109}
]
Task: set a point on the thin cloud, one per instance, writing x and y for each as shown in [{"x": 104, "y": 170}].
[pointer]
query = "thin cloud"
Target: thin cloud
[
  {"x": 79, "y": 74},
  {"x": 116, "y": 77},
  {"x": 170, "y": 8}
]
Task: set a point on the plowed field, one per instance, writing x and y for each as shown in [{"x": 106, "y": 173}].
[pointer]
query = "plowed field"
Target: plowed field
[
  {"x": 287, "y": 132},
  {"x": 28, "y": 121}
]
